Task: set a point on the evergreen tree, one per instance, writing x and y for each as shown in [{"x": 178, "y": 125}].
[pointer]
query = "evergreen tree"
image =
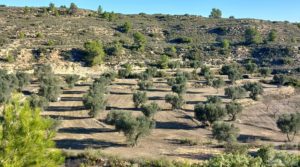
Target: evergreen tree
[{"x": 26, "y": 137}]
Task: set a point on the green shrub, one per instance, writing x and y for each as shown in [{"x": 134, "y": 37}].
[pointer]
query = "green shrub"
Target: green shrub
[
  {"x": 252, "y": 36},
  {"x": 114, "y": 49},
  {"x": 139, "y": 41},
  {"x": 272, "y": 36},
  {"x": 125, "y": 28},
  {"x": 94, "y": 53},
  {"x": 163, "y": 62},
  {"x": 126, "y": 71}
]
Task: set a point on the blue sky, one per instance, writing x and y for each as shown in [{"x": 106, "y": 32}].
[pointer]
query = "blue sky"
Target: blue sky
[{"x": 280, "y": 10}]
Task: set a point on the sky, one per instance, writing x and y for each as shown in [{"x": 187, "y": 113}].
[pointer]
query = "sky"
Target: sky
[{"x": 275, "y": 10}]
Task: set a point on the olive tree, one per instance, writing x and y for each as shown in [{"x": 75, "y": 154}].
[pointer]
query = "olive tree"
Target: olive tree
[
  {"x": 145, "y": 84},
  {"x": 215, "y": 13},
  {"x": 225, "y": 132},
  {"x": 149, "y": 110},
  {"x": 214, "y": 99},
  {"x": 36, "y": 101},
  {"x": 139, "y": 98},
  {"x": 218, "y": 83},
  {"x": 71, "y": 80},
  {"x": 175, "y": 100},
  {"x": 23, "y": 79},
  {"x": 265, "y": 72},
  {"x": 178, "y": 84},
  {"x": 289, "y": 124},
  {"x": 209, "y": 113},
  {"x": 255, "y": 89},
  {"x": 133, "y": 127},
  {"x": 233, "y": 71},
  {"x": 95, "y": 99},
  {"x": 50, "y": 87},
  {"x": 233, "y": 109},
  {"x": 251, "y": 67},
  {"x": 236, "y": 92}
]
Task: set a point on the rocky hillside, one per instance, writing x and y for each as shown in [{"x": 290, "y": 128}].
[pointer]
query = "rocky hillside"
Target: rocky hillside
[{"x": 31, "y": 36}]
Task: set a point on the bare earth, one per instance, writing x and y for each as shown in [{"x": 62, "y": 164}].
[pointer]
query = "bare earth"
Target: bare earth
[{"x": 78, "y": 131}]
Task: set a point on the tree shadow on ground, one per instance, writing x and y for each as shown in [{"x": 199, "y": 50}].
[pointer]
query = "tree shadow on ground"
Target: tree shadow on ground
[
  {"x": 124, "y": 84},
  {"x": 156, "y": 98},
  {"x": 80, "y": 130},
  {"x": 120, "y": 93},
  {"x": 158, "y": 90},
  {"x": 63, "y": 117},
  {"x": 65, "y": 108},
  {"x": 71, "y": 99},
  {"x": 266, "y": 128},
  {"x": 173, "y": 125},
  {"x": 122, "y": 108},
  {"x": 193, "y": 102},
  {"x": 70, "y": 92},
  {"x": 251, "y": 138},
  {"x": 83, "y": 84},
  {"x": 193, "y": 92},
  {"x": 191, "y": 156},
  {"x": 85, "y": 143}
]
